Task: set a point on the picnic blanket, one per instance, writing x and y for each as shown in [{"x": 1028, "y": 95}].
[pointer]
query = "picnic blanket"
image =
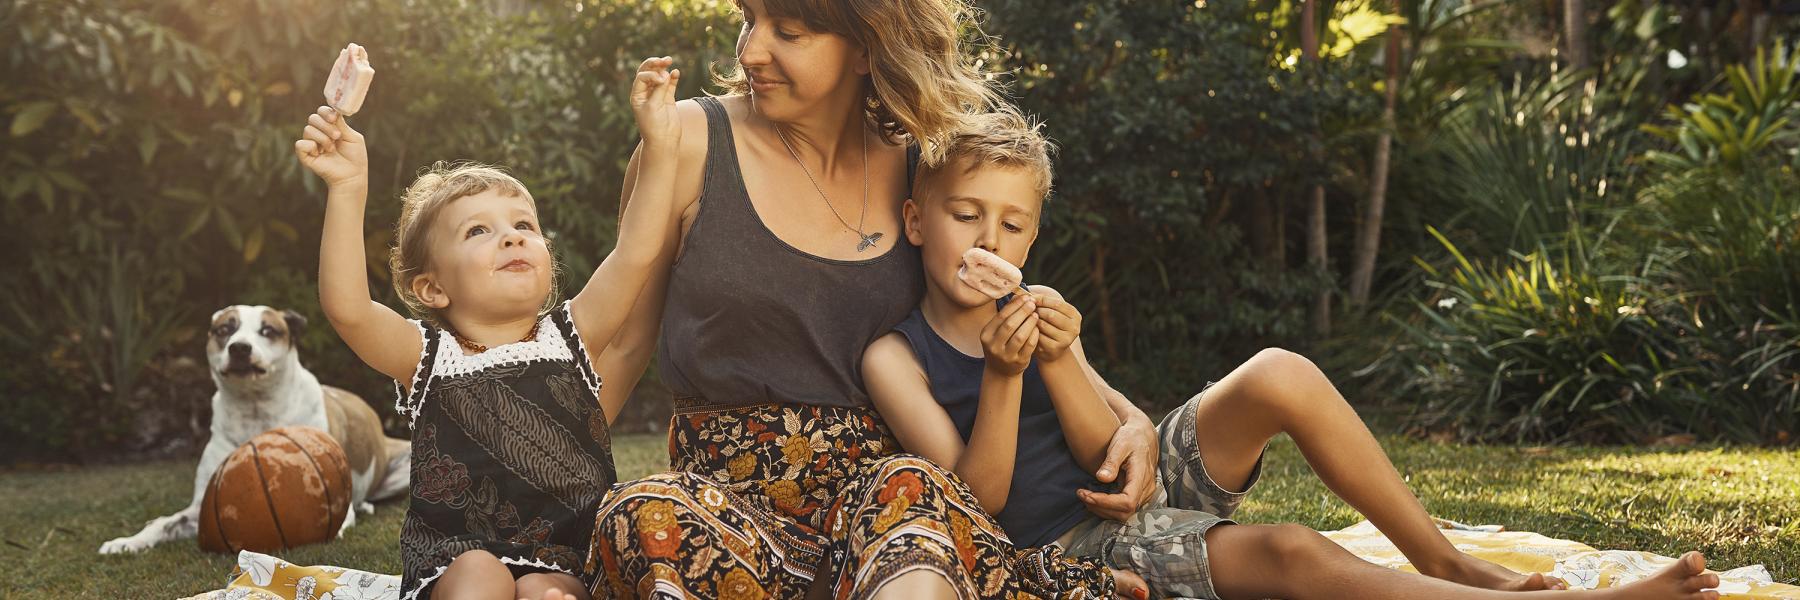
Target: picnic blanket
[{"x": 264, "y": 577}]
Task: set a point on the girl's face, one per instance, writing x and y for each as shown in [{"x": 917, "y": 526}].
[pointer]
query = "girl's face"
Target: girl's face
[
  {"x": 794, "y": 71},
  {"x": 991, "y": 208},
  {"x": 489, "y": 261}
]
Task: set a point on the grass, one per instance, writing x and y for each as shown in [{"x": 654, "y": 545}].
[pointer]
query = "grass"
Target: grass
[{"x": 1739, "y": 505}]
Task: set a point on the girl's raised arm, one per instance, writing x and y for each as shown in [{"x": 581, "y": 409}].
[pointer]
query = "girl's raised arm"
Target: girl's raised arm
[{"x": 379, "y": 336}]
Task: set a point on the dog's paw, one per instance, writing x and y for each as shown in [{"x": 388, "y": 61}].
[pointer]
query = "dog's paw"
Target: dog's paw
[
  {"x": 124, "y": 545},
  {"x": 366, "y": 508}
]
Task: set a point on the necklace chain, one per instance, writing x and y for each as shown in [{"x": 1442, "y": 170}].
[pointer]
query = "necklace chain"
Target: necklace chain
[
  {"x": 865, "y": 240},
  {"x": 473, "y": 347}
]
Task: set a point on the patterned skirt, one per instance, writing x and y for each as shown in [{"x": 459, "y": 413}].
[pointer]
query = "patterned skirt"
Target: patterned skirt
[{"x": 766, "y": 500}]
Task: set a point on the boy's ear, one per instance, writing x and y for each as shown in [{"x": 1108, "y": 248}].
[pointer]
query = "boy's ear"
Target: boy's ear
[
  {"x": 426, "y": 288},
  {"x": 909, "y": 215}
]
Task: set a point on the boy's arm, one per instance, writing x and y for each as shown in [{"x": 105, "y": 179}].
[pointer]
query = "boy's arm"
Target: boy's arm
[
  {"x": 897, "y": 385},
  {"x": 648, "y": 221},
  {"x": 379, "y": 336},
  {"x": 902, "y": 394},
  {"x": 1087, "y": 421}
]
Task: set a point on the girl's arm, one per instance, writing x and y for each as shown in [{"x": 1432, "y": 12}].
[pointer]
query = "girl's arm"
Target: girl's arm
[
  {"x": 379, "y": 336},
  {"x": 648, "y": 221}
]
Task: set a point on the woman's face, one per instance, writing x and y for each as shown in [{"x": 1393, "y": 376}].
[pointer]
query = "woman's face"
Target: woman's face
[{"x": 794, "y": 71}]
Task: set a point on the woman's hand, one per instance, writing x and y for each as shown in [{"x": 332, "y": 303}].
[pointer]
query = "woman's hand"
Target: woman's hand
[
  {"x": 1010, "y": 338},
  {"x": 330, "y": 148},
  {"x": 1133, "y": 448},
  {"x": 653, "y": 103}
]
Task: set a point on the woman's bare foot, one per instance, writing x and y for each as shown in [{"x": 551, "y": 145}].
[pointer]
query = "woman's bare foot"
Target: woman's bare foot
[
  {"x": 1682, "y": 580},
  {"x": 1474, "y": 572}
]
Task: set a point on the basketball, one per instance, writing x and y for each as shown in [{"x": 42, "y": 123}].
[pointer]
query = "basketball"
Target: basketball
[{"x": 286, "y": 487}]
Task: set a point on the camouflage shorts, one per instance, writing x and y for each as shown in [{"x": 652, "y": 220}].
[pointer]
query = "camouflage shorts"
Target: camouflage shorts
[{"x": 1165, "y": 542}]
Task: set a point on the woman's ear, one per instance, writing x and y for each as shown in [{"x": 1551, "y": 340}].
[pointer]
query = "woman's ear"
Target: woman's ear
[
  {"x": 426, "y": 288},
  {"x": 864, "y": 64}
]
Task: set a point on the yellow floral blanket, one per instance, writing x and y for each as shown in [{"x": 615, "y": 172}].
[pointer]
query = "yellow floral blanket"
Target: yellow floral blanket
[
  {"x": 1579, "y": 564},
  {"x": 263, "y": 577}
]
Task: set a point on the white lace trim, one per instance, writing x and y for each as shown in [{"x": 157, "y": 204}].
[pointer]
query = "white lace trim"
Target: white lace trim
[
  {"x": 508, "y": 560},
  {"x": 547, "y": 346},
  {"x": 407, "y": 399},
  {"x": 505, "y": 560},
  {"x": 414, "y": 594},
  {"x": 589, "y": 374}
]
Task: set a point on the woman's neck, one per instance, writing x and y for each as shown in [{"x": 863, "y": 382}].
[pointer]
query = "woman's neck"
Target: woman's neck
[{"x": 832, "y": 138}]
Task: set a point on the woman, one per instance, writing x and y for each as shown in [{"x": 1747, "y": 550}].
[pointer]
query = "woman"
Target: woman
[{"x": 788, "y": 264}]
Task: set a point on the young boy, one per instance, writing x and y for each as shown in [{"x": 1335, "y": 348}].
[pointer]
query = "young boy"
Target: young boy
[{"x": 999, "y": 392}]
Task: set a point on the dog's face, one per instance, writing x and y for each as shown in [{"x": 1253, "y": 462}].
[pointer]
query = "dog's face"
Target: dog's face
[{"x": 246, "y": 343}]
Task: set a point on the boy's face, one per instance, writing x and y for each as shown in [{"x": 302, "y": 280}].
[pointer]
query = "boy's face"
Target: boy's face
[
  {"x": 489, "y": 254},
  {"x": 996, "y": 208}
]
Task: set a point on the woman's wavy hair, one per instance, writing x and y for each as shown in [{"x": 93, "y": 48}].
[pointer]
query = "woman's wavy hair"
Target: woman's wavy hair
[{"x": 924, "y": 79}]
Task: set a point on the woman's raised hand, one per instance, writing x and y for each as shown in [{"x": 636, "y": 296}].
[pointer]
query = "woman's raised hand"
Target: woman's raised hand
[{"x": 653, "y": 102}]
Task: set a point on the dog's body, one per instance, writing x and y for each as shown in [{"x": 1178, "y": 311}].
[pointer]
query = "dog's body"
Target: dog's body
[{"x": 261, "y": 387}]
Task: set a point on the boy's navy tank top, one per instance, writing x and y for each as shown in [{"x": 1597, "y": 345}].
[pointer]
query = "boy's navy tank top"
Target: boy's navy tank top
[{"x": 1042, "y": 504}]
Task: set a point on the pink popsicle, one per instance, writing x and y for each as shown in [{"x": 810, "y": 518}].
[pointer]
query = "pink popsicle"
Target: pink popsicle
[
  {"x": 349, "y": 81},
  {"x": 990, "y": 274}
]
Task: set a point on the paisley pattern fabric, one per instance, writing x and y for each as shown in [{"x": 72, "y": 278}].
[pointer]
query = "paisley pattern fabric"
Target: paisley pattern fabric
[{"x": 767, "y": 500}]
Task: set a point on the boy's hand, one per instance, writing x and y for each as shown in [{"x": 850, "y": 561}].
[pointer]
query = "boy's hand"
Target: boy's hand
[
  {"x": 1010, "y": 338},
  {"x": 330, "y": 148},
  {"x": 653, "y": 102},
  {"x": 1058, "y": 321}
]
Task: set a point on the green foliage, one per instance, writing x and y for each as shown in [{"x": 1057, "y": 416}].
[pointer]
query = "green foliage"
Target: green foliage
[
  {"x": 1184, "y": 133},
  {"x": 151, "y": 144},
  {"x": 1752, "y": 119},
  {"x": 1674, "y": 313}
]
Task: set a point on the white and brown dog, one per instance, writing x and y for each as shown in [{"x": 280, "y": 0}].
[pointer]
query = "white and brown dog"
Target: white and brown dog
[{"x": 261, "y": 387}]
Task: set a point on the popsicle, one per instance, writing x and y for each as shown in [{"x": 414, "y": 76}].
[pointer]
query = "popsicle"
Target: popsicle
[
  {"x": 990, "y": 274},
  {"x": 348, "y": 83}
]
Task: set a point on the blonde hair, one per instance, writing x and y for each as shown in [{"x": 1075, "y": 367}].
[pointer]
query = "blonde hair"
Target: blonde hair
[
  {"x": 436, "y": 187},
  {"x": 1002, "y": 138},
  {"x": 922, "y": 78}
]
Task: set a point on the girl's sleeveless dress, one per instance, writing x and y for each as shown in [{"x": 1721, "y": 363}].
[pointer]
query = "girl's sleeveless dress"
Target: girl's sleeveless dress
[{"x": 510, "y": 454}]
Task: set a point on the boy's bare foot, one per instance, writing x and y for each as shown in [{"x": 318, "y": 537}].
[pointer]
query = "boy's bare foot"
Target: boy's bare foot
[
  {"x": 1474, "y": 572},
  {"x": 1682, "y": 580}
]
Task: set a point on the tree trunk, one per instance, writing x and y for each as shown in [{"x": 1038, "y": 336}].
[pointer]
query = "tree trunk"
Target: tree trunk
[
  {"x": 1315, "y": 222},
  {"x": 1368, "y": 240},
  {"x": 1575, "y": 33},
  {"x": 1097, "y": 277}
]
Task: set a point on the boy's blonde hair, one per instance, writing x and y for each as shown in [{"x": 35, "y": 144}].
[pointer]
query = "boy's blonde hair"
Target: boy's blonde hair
[
  {"x": 1002, "y": 138},
  {"x": 922, "y": 74},
  {"x": 438, "y": 186}
]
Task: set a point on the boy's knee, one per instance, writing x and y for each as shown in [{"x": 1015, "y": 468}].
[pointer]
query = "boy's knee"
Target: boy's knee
[{"x": 1297, "y": 543}]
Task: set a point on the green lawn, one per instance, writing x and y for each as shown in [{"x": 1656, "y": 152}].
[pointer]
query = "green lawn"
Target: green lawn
[{"x": 1738, "y": 505}]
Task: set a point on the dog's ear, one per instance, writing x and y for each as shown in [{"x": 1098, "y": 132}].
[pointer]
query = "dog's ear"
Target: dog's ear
[{"x": 296, "y": 325}]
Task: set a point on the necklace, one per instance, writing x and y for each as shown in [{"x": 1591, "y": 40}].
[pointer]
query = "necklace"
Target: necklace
[
  {"x": 473, "y": 347},
  {"x": 867, "y": 240}
]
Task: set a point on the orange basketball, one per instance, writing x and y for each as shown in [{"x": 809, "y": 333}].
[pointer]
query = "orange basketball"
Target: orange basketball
[{"x": 285, "y": 487}]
